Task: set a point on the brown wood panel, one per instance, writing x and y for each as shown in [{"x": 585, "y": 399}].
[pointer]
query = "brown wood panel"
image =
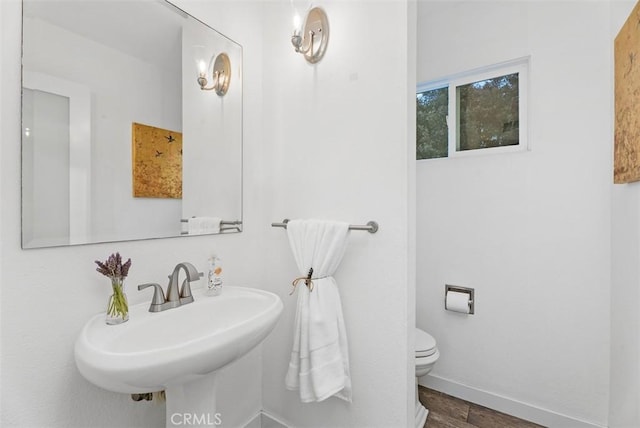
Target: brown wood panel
[
  {"x": 446, "y": 411},
  {"x": 443, "y": 404},
  {"x": 626, "y": 165},
  {"x": 483, "y": 417}
]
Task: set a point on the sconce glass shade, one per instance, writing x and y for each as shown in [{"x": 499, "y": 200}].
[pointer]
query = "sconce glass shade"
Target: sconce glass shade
[
  {"x": 202, "y": 59},
  {"x": 312, "y": 41}
]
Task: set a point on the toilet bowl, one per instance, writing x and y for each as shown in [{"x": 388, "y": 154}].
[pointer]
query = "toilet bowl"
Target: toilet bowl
[{"x": 426, "y": 356}]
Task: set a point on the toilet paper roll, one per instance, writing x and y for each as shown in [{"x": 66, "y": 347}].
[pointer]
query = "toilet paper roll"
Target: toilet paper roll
[{"x": 457, "y": 302}]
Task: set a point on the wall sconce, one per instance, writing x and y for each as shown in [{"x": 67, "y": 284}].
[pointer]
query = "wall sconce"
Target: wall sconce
[
  {"x": 311, "y": 39},
  {"x": 221, "y": 73}
]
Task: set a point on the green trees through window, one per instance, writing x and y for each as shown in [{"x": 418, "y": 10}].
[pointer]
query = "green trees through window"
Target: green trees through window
[
  {"x": 482, "y": 108},
  {"x": 432, "y": 132},
  {"x": 488, "y": 113}
]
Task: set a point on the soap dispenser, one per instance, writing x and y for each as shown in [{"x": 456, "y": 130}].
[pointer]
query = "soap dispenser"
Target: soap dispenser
[{"x": 214, "y": 277}]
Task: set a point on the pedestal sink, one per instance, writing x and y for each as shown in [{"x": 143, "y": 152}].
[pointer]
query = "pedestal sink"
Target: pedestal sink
[{"x": 177, "y": 350}]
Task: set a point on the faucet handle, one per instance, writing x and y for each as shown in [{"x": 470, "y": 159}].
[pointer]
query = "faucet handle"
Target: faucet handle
[{"x": 158, "y": 295}]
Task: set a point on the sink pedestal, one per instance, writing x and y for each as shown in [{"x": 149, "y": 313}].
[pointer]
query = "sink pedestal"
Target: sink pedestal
[
  {"x": 151, "y": 353},
  {"x": 193, "y": 403}
]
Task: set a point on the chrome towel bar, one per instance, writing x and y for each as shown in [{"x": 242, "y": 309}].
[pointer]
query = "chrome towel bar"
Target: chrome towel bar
[
  {"x": 371, "y": 227},
  {"x": 186, "y": 220}
]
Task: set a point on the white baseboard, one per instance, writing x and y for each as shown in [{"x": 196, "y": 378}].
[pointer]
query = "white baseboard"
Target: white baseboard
[
  {"x": 256, "y": 422},
  {"x": 504, "y": 404},
  {"x": 269, "y": 421},
  {"x": 264, "y": 420}
]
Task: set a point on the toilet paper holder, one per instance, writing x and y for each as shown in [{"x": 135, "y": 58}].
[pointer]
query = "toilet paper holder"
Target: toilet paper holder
[{"x": 458, "y": 289}]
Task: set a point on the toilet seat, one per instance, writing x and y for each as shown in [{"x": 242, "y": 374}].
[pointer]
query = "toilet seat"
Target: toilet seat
[{"x": 425, "y": 344}]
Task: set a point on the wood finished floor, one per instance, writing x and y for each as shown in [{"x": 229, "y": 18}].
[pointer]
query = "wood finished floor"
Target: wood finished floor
[{"x": 450, "y": 412}]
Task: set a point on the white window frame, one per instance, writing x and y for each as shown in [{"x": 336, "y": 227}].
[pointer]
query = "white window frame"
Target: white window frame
[{"x": 520, "y": 66}]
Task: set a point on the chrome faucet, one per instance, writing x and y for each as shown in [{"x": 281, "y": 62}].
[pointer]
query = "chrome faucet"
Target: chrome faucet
[{"x": 175, "y": 296}]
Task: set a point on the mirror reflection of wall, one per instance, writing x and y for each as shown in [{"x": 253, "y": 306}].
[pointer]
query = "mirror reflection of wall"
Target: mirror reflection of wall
[
  {"x": 126, "y": 62},
  {"x": 211, "y": 176}
]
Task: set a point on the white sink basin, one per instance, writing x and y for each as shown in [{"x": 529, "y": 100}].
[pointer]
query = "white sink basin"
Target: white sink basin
[{"x": 156, "y": 351}]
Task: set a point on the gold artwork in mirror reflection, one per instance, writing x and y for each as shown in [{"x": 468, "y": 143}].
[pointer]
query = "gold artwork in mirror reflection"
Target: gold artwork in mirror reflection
[
  {"x": 157, "y": 162},
  {"x": 626, "y": 166}
]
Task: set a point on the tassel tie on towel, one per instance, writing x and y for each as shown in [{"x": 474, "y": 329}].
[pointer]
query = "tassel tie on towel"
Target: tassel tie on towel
[{"x": 308, "y": 281}]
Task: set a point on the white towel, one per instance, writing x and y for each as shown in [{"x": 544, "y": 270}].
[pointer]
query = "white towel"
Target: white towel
[
  {"x": 193, "y": 226},
  {"x": 319, "y": 365},
  {"x": 211, "y": 224},
  {"x": 203, "y": 225}
]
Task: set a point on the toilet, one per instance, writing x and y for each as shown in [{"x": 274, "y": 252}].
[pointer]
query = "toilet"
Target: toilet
[{"x": 426, "y": 356}]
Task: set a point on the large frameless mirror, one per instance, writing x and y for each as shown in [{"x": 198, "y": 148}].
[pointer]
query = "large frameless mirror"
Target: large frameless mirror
[{"x": 131, "y": 123}]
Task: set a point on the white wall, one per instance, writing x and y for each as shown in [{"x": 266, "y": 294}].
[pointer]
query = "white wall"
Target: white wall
[
  {"x": 624, "y": 402},
  {"x": 625, "y": 296},
  {"x": 529, "y": 231},
  {"x": 48, "y": 294},
  {"x": 336, "y": 146}
]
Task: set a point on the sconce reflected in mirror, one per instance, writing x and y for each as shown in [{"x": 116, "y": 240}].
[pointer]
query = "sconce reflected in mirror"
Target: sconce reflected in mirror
[
  {"x": 311, "y": 37},
  {"x": 220, "y": 67}
]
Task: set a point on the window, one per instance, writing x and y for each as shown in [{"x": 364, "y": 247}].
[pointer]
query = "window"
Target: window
[{"x": 481, "y": 111}]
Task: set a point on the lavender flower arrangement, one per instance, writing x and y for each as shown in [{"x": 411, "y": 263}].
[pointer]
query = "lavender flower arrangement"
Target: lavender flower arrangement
[
  {"x": 113, "y": 267},
  {"x": 118, "y": 308}
]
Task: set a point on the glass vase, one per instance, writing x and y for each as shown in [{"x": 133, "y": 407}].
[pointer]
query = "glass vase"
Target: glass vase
[{"x": 118, "y": 307}]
